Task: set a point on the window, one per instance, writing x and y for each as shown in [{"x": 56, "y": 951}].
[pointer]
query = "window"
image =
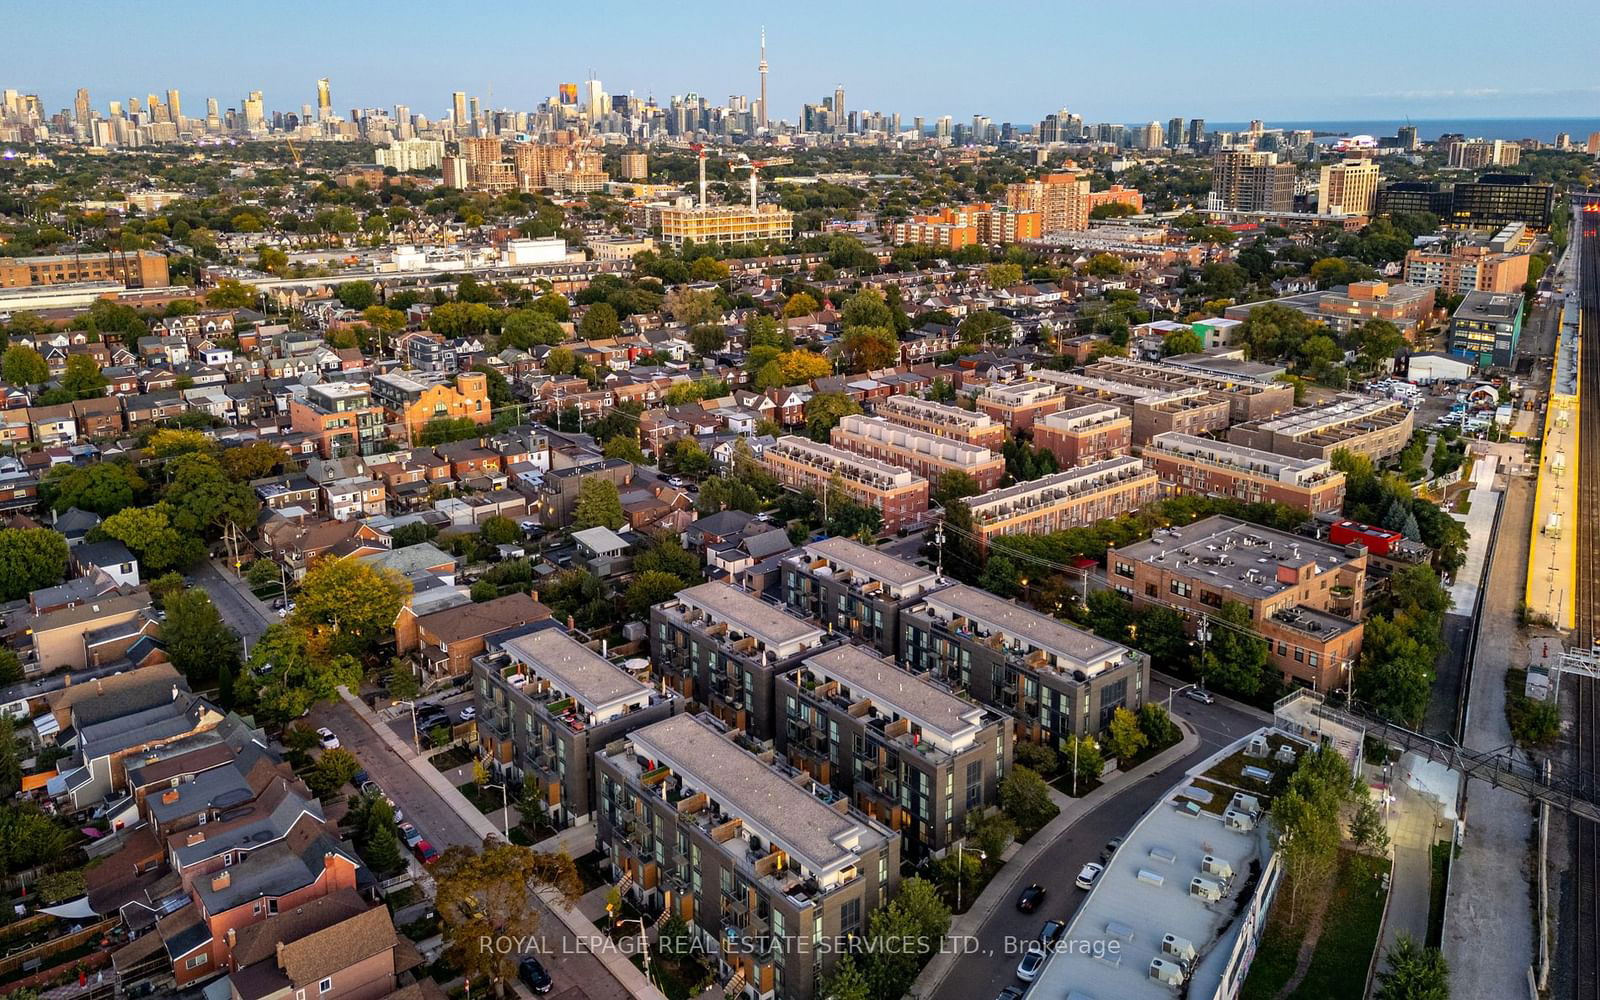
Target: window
[
  {"x": 272, "y": 906},
  {"x": 326, "y": 986},
  {"x": 197, "y": 961}
]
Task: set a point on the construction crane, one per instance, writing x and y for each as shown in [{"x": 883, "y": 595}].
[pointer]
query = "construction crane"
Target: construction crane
[
  {"x": 700, "y": 152},
  {"x": 298, "y": 165},
  {"x": 754, "y": 166}
]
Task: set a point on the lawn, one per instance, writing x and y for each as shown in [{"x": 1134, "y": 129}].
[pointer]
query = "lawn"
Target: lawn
[
  {"x": 452, "y": 758},
  {"x": 1438, "y": 885},
  {"x": 1344, "y": 948}
]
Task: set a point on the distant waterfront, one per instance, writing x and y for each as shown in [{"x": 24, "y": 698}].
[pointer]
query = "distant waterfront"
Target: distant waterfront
[{"x": 1429, "y": 129}]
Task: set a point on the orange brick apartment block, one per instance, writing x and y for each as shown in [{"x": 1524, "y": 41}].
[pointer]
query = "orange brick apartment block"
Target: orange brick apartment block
[
  {"x": 413, "y": 403},
  {"x": 142, "y": 269},
  {"x": 1201, "y": 466},
  {"x": 928, "y": 455},
  {"x": 1019, "y": 404},
  {"x": 1067, "y": 499},
  {"x": 898, "y": 494},
  {"x": 946, "y": 421},
  {"x": 1084, "y": 434}
]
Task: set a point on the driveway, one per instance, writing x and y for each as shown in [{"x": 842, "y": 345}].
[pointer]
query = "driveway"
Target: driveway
[{"x": 1003, "y": 933}]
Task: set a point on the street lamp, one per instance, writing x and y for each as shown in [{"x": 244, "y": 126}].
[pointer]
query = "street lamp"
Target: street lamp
[
  {"x": 960, "y": 850},
  {"x": 1076, "y": 741},
  {"x": 416, "y": 738},
  {"x": 1178, "y": 690},
  {"x": 644, "y": 942},
  {"x": 505, "y": 807}
]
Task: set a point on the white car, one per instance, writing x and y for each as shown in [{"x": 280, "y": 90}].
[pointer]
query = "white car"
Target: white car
[
  {"x": 1032, "y": 962},
  {"x": 1089, "y": 875},
  {"x": 329, "y": 740},
  {"x": 468, "y": 714}
]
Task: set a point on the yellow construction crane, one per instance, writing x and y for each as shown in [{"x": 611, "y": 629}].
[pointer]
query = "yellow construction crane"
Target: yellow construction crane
[{"x": 298, "y": 165}]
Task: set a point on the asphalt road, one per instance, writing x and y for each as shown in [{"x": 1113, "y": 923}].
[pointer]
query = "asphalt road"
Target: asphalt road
[
  {"x": 578, "y": 974},
  {"x": 243, "y": 612},
  {"x": 1000, "y": 938}
]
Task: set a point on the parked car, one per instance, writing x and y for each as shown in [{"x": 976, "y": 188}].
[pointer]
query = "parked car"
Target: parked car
[
  {"x": 533, "y": 974},
  {"x": 1010, "y": 993},
  {"x": 1089, "y": 875},
  {"x": 425, "y": 852},
  {"x": 361, "y": 779},
  {"x": 327, "y": 738},
  {"x": 1201, "y": 695},
  {"x": 1031, "y": 897},
  {"x": 1051, "y": 932},
  {"x": 1032, "y": 962},
  {"x": 468, "y": 714},
  {"x": 1110, "y": 849},
  {"x": 411, "y": 835}
]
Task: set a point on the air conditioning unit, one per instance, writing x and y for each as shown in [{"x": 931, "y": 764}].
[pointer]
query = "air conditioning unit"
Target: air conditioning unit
[
  {"x": 1216, "y": 866},
  {"x": 1169, "y": 973},
  {"x": 1205, "y": 889},
  {"x": 1179, "y": 948},
  {"x": 1238, "y": 821}
]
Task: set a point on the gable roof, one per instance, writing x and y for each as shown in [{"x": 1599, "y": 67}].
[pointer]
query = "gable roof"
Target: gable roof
[{"x": 468, "y": 621}]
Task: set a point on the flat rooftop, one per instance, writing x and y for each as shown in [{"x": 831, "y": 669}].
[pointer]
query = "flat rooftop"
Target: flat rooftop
[
  {"x": 870, "y": 562},
  {"x": 1082, "y": 418},
  {"x": 799, "y": 822},
  {"x": 1235, "y": 555},
  {"x": 846, "y": 463},
  {"x": 575, "y": 669},
  {"x": 748, "y": 614},
  {"x": 1143, "y": 895},
  {"x": 1489, "y": 307},
  {"x": 1282, "y": 468},
  {"x": 1126, "y": 392},
  {"x": 1084, "y": 650},
  {"x": 1347, "y": 410},
  {"x": 950, "y": 721},
  {"x": 1057, "y": 486},
  {"x": 927, "y": 409}
]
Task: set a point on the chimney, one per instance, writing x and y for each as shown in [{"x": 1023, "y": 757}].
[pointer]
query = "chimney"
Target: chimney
[
  {"x": 221, "y": 880},
  {"x": 169, "y": 796},
  {"x": 233, "y": 937},
  {"x": 280, "y": 954},
  {"x": 197, "y": 837},
  {"x": 534, "y": 594}
]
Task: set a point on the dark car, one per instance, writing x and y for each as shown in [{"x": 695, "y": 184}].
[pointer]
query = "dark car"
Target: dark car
[
  {"x": 533, "y": 974},
  {"x": 1010, "y": 993},
  {"x": 1051, "y": 932},
  {"x": 1111, "y": 848},
  {"x": 1031, "y": 897}
]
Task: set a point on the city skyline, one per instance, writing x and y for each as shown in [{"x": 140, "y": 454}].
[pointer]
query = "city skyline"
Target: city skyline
[{"x": 717, "y": 57}]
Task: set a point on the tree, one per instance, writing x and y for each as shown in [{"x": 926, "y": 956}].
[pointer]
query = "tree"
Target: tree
[
  {"x": 799, "y": 367},
  {"x": 599, "y": 504},
  {"x": 600, "y": 323},
  {"x": 169, "y": 441},
  {"x": 292, "y": 670},
  {"x": 1124, "y": 736},
  {"x": 848, "y": 982},
  {"x": 414, "y": 533},
  {"x": 82, "y": 378},
  {"x": 334, "y": 769},
  {"x": 10, "y": 765},
  {"x": 384, "y": 319},
  {"x": 708, "y": 339},
  {"x": 260, "y": 574},
  {"x": 954, "y": 484},
  {"x": 11, "y": 670},
  {"x": 1026, "y": 798},
  {"x": 692, "y": 306},
  {"x": 1395, "y": 674},
  {"x": 1305, "y": 819},
  {"x": 1088, "y": 762},
  {"x": 1156, "y": 724},
  {"x": 1182, "y": 342},
  {"x": 1235, "y": 660},
  {"x": 204, "y": 499},
  {"x": 991, "y": 831},
  {"x": 349, "y": 603},
  {"x": 1040, "y": 757},
  {"x": 825, "y": 410},
  {"x": 1414, "y": 973},
  {"x": 649, "y": 589},
  {"x": 625, "y": 448},
  {"x": 23, "y": 366},
  {"x": 255, "y": 460},
  {"x": 104, "y": 487},
  {"x": 1000, "y": 577},
  {"x": 375, "y": 835},
  {"x": 357, "y": 295},
  {"x": 149, "y": 534},
  {"x": 869, "y": 347},
  {"x": 799, "y": 304},
  {"x": 483, "y": 894},
  {"x": 28, "y": 838},
  {"x": 30, "y": 558},
  {"x": 197, "y": 640},
  {"x": 984, "y": 327},
  {"x": 685, "y": 456},
  {"x": 231, "y": 294},
  {"x": 1002, "y": 275},
  {"x": 499, "y": 530},
  {"x": 1366, "y": 827},
  {"x": 867, "y": 308},
  {"x": 1104, "y": 265}
]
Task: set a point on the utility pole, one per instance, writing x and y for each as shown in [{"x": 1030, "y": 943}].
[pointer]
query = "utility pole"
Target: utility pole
[{"x": 938, "y": 541}]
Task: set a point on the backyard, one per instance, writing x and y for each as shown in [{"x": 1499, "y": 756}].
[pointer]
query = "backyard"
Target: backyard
[{"x": 1327, "y": 951}]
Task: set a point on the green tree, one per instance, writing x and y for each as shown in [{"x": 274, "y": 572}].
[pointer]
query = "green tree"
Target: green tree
[
  {"x": 23, "y": 366},
  {"x": 30, "y": 558},
  {"x": 1002, "y": 275},
  {"x": 1366, "y": 827},
  {"x": 1000, "y": 577},
  {"x": 499, "y": 530},
  {"x": 104, "y": 487},
  {"x": 599, "y": 323},
  {"x": 685, "y": 456},
  {"x": 197, "y": 640},
  {"x": 692, "y": 306},
  {"x": 1181, "y": 342},
  {"x": 1124, "y": 736},
  {"x": 204, "y": 498},
  {"x": 231, "y": 294},
  {"x": 1236, "y": 658},
  {"x": 867, "y": 308},
  {"x": 599, "y": 504},
  {"x": 848, "y": 982},
  {"x": 10, "y": 765},
  {"x": 991, "y": 831},
  {"x": 1026, "y": 798},
  {"x": 1413, "y": 973},
  {"x": 82, "y": 378},
  {"x": 11, "y": 671},
  {"x": 708, "y": 339},
  {"x": 985, "y": 327},
  {"x": 1156, "y": 724},
  {"x": 825, "y": 410},
  {"x": 799, "y": 304},
  {"x": 869, "y": 347},
  {"x": 649, "y": 589},
  {"x": 413, "y": 533},
  {"x": 357, "y": 295},
  {"x": 625, "y": 448},
  {"x": 379, "y": 846},
  {"x": 1089, "y": 762},
  {"x": 954, "y": 484},
  {"x": 292, "y": 670},
  {"x": 334, "y": 769}
]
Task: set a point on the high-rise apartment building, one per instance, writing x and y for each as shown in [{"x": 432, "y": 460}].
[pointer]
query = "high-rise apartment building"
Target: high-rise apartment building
[
  {"x": 1061, "y": 199},
  {"x": 408, "y": 155},
  {"x": 1197, "y": 132},
  {"x": 254, "y": 111},
  {"x": 324, "y": 100},
  {"x": 80, "y": 107},
  {"x": 1252, "y": 182},
  {"x": 458, "y": 109},
  {"x": 635, "y": 166},
  {"x": 1349, "y": 187},
  {"x": 1174, "y": 132},
  {"x": 174, "y": 107}
]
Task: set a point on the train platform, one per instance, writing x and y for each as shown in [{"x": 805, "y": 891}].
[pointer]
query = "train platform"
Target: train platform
[{"x": 1552, "y": 549}]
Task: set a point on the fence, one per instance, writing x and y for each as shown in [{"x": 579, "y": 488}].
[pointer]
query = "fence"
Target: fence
[{"x": 39, "y": 952}]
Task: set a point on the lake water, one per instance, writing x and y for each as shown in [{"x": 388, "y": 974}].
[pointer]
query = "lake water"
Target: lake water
[{"x": 1429, "y": 129}]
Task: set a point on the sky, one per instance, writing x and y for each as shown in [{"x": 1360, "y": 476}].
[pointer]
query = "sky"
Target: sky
[{"x": 1223, "y": 60}]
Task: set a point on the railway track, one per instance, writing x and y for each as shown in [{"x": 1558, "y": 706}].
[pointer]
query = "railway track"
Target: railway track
[{"x": 1586, "y": 726}]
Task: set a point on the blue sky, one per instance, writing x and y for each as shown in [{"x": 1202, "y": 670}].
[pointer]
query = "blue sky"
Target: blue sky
[{"x": 1223, "y": 60}]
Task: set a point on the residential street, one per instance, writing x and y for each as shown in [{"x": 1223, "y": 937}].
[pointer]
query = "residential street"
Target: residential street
[
  {"x": 578, "y": 973},
  {"x": 993, "y": 966},
  {"x": 243, "y": 612}
]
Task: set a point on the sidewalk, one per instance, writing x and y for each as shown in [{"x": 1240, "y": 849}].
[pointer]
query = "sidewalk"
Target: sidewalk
[
  {"x": 1412, "y": 833},
  {"x": 1003, "y": 887},
  {"x": 631, "y": 978}
]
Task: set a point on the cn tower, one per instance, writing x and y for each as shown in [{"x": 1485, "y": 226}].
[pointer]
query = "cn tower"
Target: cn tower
[{"x": 762, "y": 120}]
